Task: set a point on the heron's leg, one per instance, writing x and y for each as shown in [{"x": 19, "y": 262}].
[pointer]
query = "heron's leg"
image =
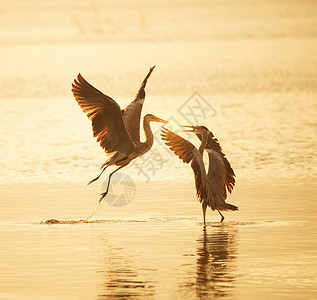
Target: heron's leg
[
  {"x": 103, "y": 195},
  {"x": 204, "y": 205},
  {"x": 91, "y": 181},
  {"x": 222, "y": 217}
]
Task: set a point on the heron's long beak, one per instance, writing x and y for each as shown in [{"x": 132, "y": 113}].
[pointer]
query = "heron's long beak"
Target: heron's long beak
[
  {"x": 193, "y": 129},
  {"x": 159, "y": 120}
]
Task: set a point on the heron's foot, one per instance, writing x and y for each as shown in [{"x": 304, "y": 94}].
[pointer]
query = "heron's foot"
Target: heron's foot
[
  {"x": 91, "y": 181},
  {"x": 103, "y": 195}
]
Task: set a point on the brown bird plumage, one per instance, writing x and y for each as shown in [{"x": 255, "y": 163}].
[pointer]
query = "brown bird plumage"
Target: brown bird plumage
[
  {"x": 210, "y": 187},
  {"x": 117, "y": 130},
  {"x": 213, "y": 144}
]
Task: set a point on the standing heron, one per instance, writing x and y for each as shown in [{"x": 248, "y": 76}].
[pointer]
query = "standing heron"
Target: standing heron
[
  {"x": 117, "y": 131},
  {"x": 211, "y": 187}
]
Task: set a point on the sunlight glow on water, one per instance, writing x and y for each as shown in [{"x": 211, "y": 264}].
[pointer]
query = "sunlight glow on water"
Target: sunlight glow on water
[
  {"x": 56, "y": 144},
  {"x": 266, "y": 248}
]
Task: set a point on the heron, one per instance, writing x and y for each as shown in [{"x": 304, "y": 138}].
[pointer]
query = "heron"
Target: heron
[
  {"x": 211, "y": 186},
  {"x": 117, "y": 131}
]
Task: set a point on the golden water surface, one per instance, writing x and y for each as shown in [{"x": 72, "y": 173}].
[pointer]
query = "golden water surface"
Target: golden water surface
[{"x": 253, "y": 66}]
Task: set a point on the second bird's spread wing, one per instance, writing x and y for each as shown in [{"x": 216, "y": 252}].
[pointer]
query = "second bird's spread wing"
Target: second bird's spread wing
[
  {"x": 218, "y": 160},
  {"x": 105, "y": 116},
  {"x": 187, "y": 152},
  {"x": 132, "y": 113},
  {"x": 216, "y": 174},
  {"x": 214, "y": 150}
]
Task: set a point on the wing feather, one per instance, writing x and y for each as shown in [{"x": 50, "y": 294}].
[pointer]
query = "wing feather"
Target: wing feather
[
  {"x": 132, "y": 113},
  {"x": 216, "y": 174},
  {"x": 229, "y": 180},
  {"x": 187, "y": 152},
  {"x": 105, "y": 115}
]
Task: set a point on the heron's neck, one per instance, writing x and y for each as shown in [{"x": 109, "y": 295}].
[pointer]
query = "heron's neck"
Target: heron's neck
[
  {"x": 148, "y": 133},
  {"x": 203, "y": 143}
]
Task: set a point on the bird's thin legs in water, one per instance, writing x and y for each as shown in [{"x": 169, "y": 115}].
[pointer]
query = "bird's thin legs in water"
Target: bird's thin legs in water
[
  {"x": 91, "y": 181},
  {"x": 222, "y": 217},
  {"x": 103, "y": 195},
  {"x": 204, "y": 205}
]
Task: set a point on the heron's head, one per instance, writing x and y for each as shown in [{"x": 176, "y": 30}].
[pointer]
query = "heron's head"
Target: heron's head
[
  {"x": 199, "y": 130},
  {"x": 152, "y": 118}
]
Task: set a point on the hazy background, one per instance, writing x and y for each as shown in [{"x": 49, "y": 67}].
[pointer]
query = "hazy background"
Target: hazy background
[{"x": 253, "y": 62}]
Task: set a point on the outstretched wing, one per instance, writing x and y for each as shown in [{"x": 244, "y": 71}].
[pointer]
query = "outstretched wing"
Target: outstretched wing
[
  {"x": 105, "y": 116},
  {"x": 216, "y": 173},
  {"x": 132, "y": 113},
  {"x": 215, "y": 154},
  {"x": 187, "y": 152},
  {"x": 229, "y": 176}
]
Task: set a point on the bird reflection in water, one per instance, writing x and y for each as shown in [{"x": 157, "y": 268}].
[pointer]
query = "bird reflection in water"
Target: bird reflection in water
[
  {"x": 122, "y": 280},
  {"x": 215, "y": 264}
]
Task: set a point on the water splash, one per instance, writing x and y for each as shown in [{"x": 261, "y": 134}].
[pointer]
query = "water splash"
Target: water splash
[{"x": 95, "y": 210}]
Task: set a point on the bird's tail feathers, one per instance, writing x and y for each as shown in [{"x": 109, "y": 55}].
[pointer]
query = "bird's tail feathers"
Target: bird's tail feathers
[
  {"x": 106, "y": 163},
  {"x": 227, "y": 207}
]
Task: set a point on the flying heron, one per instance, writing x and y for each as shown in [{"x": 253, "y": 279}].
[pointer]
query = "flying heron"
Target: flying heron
[
  {"x": 211, "y": 187},
  {"x": 117, "y": 131}
]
